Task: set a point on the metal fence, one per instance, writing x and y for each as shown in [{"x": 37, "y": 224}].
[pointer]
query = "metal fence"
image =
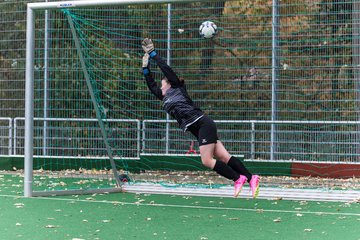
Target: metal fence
[
  {"x": 6, "y": 136},
  {"x": 316, "y": 59},
  {"x": 300, "y": 141},
  {"x": 313, "y": 56},
  {"x": 79, "y": 137}
]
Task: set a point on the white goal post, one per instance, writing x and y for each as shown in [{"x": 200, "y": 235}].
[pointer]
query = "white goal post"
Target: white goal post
[{"x": 32, "y": 8}]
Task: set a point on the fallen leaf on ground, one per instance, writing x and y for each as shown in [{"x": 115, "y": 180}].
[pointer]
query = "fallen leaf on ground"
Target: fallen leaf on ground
[
  {"x": 50, "y": 226},
  {"x": 277, "y": 220}
]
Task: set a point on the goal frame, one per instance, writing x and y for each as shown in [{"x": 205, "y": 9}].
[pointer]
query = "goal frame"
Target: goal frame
[{"x": 32, "y": 8}]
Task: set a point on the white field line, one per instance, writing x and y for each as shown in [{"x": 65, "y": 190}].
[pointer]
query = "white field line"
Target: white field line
[
  {"x": 265, "y": 193},
  {"x": 184, "y": 206}
]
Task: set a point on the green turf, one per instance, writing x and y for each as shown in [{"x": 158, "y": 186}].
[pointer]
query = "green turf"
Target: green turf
[
  {"x": 173, "y": 217},
  {"x": 132, "y": 216}
]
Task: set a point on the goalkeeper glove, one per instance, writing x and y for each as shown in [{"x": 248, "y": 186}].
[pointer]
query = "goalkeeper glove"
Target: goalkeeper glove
[
  {"x": 145, "y": 64},
  {"x": 148, "y": 47}
]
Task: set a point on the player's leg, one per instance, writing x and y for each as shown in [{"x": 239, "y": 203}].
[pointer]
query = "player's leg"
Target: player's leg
[
  {"x": 207, "y": 153},
  {"x": 222, "y": 154},
  {"x": 205, "y": 131}
]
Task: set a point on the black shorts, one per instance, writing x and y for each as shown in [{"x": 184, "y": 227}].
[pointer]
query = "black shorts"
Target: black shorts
[{"x": 204, "y": 130}]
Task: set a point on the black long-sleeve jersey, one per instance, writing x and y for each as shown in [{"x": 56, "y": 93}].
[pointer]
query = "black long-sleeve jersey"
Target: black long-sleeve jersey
[{"x": 176, "y": 101}]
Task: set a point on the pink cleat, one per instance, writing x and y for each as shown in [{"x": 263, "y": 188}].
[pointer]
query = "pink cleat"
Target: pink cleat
[
  {"x": 254, "y": 185},
  {"x": 238, "y": 184}
]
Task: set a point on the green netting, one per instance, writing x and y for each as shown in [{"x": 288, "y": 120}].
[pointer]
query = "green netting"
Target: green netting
[{"x": 231, "y": 77}]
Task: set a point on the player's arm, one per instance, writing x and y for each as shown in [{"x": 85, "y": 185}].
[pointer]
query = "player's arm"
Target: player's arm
[
  {"x": 154, "y": 88},
  {"x": 167, "y": 70},
  {"x": 173, "y": 79}
]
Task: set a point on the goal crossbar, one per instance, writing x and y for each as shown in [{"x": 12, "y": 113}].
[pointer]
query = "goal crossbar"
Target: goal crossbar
[{"x": 93, "y": 3}]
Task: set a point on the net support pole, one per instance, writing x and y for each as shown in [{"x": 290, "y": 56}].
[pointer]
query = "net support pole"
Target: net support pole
[
  {"x": 274, "y": 74},
  {"x": 29, "y": 103},
  {"x": 93, "y": 99}
]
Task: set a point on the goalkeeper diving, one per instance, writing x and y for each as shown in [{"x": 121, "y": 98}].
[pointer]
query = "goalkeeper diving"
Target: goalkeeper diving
[{"x": 178, "y": 104}]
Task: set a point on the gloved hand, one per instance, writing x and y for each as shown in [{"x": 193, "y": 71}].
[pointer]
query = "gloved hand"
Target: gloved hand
[
  {"x": 148, "y": 47},
  {"x": 145, "y": 64},
  {"x": 145, "y": 60}
]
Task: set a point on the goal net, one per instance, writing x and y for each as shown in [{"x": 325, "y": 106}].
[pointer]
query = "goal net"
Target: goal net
[{"x": 278, "y": 92}]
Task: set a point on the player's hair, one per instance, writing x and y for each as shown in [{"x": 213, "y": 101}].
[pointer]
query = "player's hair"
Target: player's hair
[{"x": 182, "y": 80}]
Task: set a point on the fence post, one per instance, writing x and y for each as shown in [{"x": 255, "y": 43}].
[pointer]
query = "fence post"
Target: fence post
[
  {"x": 356, "y": 63},
  {"x": 10, "y": 136},
  {"x": 168, "y": 53},
  {"x": 274, "y": 73},
  {"x": 138, "y": 138},
  {"x": 252, "y": 153}
]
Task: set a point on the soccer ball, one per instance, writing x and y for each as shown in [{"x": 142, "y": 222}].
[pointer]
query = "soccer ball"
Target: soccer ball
[{"x": 207, "y": 29}]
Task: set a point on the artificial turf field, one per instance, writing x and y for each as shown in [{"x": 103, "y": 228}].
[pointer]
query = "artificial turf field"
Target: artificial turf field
[{"x": 142, "y": 216}]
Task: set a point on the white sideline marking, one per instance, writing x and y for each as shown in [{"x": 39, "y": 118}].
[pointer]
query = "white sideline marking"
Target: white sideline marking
[
  {"x": 265, "y": 192},
  {"x": 185, "y": 206}
]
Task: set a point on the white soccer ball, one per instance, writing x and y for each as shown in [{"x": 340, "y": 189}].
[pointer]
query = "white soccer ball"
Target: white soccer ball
[{"x": 207, "y": 29}]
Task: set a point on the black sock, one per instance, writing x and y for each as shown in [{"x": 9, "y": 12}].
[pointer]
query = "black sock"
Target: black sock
[
  {"x": 225, "y": 171},
  {"x": 239, "y": 167}
]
